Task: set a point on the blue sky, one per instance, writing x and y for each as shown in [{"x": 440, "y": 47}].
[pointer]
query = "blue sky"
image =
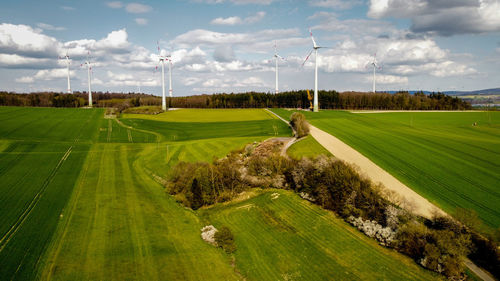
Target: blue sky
[{"x": 227, "y": 45}]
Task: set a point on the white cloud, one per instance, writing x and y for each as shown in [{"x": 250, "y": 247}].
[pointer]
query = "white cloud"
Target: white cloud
[
  {"x": 334, "y": 4},
  {"x": 136, "y": 8},
  {"x": 17, "y": 61},
  {"x": 141, "y": 21},
  {"x": 67, "y": 8},
  {"x": 189, "y": 81},
  {"x": 25, "y": 79},
  {"x": 387, "y": 79},
  {"x": 224, "y": 53},
  {"x": 450, "y": 68},
  {"x": 50, "y": 74},
  {"x": 237, "y": 20},
  {"x": 442, "y": 17},
  {"x": 47, "y": 26},
  {"x": 115, "y": 4},
  {"x": 251, "y": 42},
  {"x": 255, "y": 18},
  {"x": 227, "y": 21},
  {"x": 116, "y": 40},
  {"x": 24, "y": 40}
]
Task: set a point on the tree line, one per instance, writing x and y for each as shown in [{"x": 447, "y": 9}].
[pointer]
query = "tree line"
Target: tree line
[
  {"x": 292, "y": 99},
  {"x": 77, "y": 99},
  {"x": 327, "y": 100}
]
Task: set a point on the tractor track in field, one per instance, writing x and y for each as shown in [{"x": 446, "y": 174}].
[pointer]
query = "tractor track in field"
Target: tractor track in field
[
  {"x": 22, "y": 218},
  {"x": 158, "y": 136}
]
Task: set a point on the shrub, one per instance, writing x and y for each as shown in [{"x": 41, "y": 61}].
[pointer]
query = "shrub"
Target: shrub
[
  {"x": 225, "y": 239},
  {"x": 299, "y": 124}
]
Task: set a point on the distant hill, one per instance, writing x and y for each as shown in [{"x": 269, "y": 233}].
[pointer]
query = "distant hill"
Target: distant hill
[{"x": 485, "y": 92}]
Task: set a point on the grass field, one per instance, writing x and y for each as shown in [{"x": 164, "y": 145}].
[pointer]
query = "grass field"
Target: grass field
[
  {"x": 89, "y": 205},
  {"x": 206, "y": 115},
  {"x": 438, "y": 154},
  {"x": 289, "y": 238},
  {"x": 44, "y": 124},
  {"x": 181, "y": 131},
  {"x": 121, "y": 225},
  {"x": 41, "y": 152},
  {"x": 111, "y": 131},
  {"x": 307, "y": 147},
  {"x": 120, "y": 216}
]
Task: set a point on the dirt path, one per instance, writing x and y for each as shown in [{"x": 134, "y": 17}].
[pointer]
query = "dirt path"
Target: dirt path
[{"x": 418, "y": 204}]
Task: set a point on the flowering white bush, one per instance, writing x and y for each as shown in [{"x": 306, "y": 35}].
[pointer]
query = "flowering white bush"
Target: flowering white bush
[
  {"x": 307, "y": 196},
  {"x": 392, "y": 216},
  {"x": 208, "y": 234},
  {"x": 385, "y": 235}
]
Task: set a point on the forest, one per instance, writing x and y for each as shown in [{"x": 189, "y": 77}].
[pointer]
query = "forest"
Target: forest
[{"x": 292, "y": 99}]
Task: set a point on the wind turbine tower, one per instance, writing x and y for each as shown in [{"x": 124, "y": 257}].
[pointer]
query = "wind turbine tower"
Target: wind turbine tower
[
  {"x": 162, "y": 58},
  {"x": 315, "y": 50},
  {"x": 277, "y": 57},
  {"x": 89, "y": 73},
  {"x": 375, "y": 66},
  {"x": 170, "y": 91},
  {"x": 67, "y": 65}
]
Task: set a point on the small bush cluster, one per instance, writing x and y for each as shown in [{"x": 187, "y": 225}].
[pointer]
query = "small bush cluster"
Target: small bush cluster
[
  {"x": 299, "y": 124},
  {"x": 439, "y": 244},
  {"x": 225, "y": 239}
]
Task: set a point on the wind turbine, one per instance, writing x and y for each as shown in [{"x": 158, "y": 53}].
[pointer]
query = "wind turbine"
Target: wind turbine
[
  {"x": 162, "y": 59},
  {"x": 277, "y": 57},
  {"x": 67, "y": 64},
  {"x": 375, "y": 66},
  {"x": 89, "y": 70},
  {"x": 315, "y": 50}
]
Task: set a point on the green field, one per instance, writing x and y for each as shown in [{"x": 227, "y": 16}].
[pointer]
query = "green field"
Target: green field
[
  {"x": 206, "y": 115},
  {"x": 307, "y": 147},
  {"x": 89, "y": 205},
  {"x": 288, "y": 238},
  {"x": 438, "y": 154},
  {"x": 42, "y": 151}
]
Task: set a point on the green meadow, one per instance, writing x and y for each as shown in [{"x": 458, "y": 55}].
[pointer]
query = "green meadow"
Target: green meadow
[
  {"x": 41, "y": 153},
  {"x": 90, "y": 205},
  {"x": 287, "y": 238},
  {"x": 307, "y": 147},
  {"x": 440, "y": 155}
]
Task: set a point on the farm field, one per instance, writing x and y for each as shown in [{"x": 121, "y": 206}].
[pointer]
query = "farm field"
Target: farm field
[
  {"x": 308, "y": 147},
  {"x": 120, "y": 215},
  {"x": 104, "y": 215},
  {"x": 49, "y": 124},
  {"x": 288, "y": 238},
  {"x": 206, "y": 115},
  {"x": 41, "y": 153},
  {"x": 438, "y": 154},
  {"x": 120, "y": 225}
]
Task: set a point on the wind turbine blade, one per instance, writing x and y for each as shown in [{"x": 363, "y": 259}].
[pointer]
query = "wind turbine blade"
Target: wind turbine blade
[
  {"x": 307, "y": 57},
  {"x": 312, "y": 38}
]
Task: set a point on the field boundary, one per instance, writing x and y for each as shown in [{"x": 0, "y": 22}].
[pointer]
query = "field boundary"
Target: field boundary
[{"x": 17, "y": 225}]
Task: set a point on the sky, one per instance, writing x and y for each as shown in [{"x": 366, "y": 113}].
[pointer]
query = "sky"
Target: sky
[{"x": 228, "y": 45}]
